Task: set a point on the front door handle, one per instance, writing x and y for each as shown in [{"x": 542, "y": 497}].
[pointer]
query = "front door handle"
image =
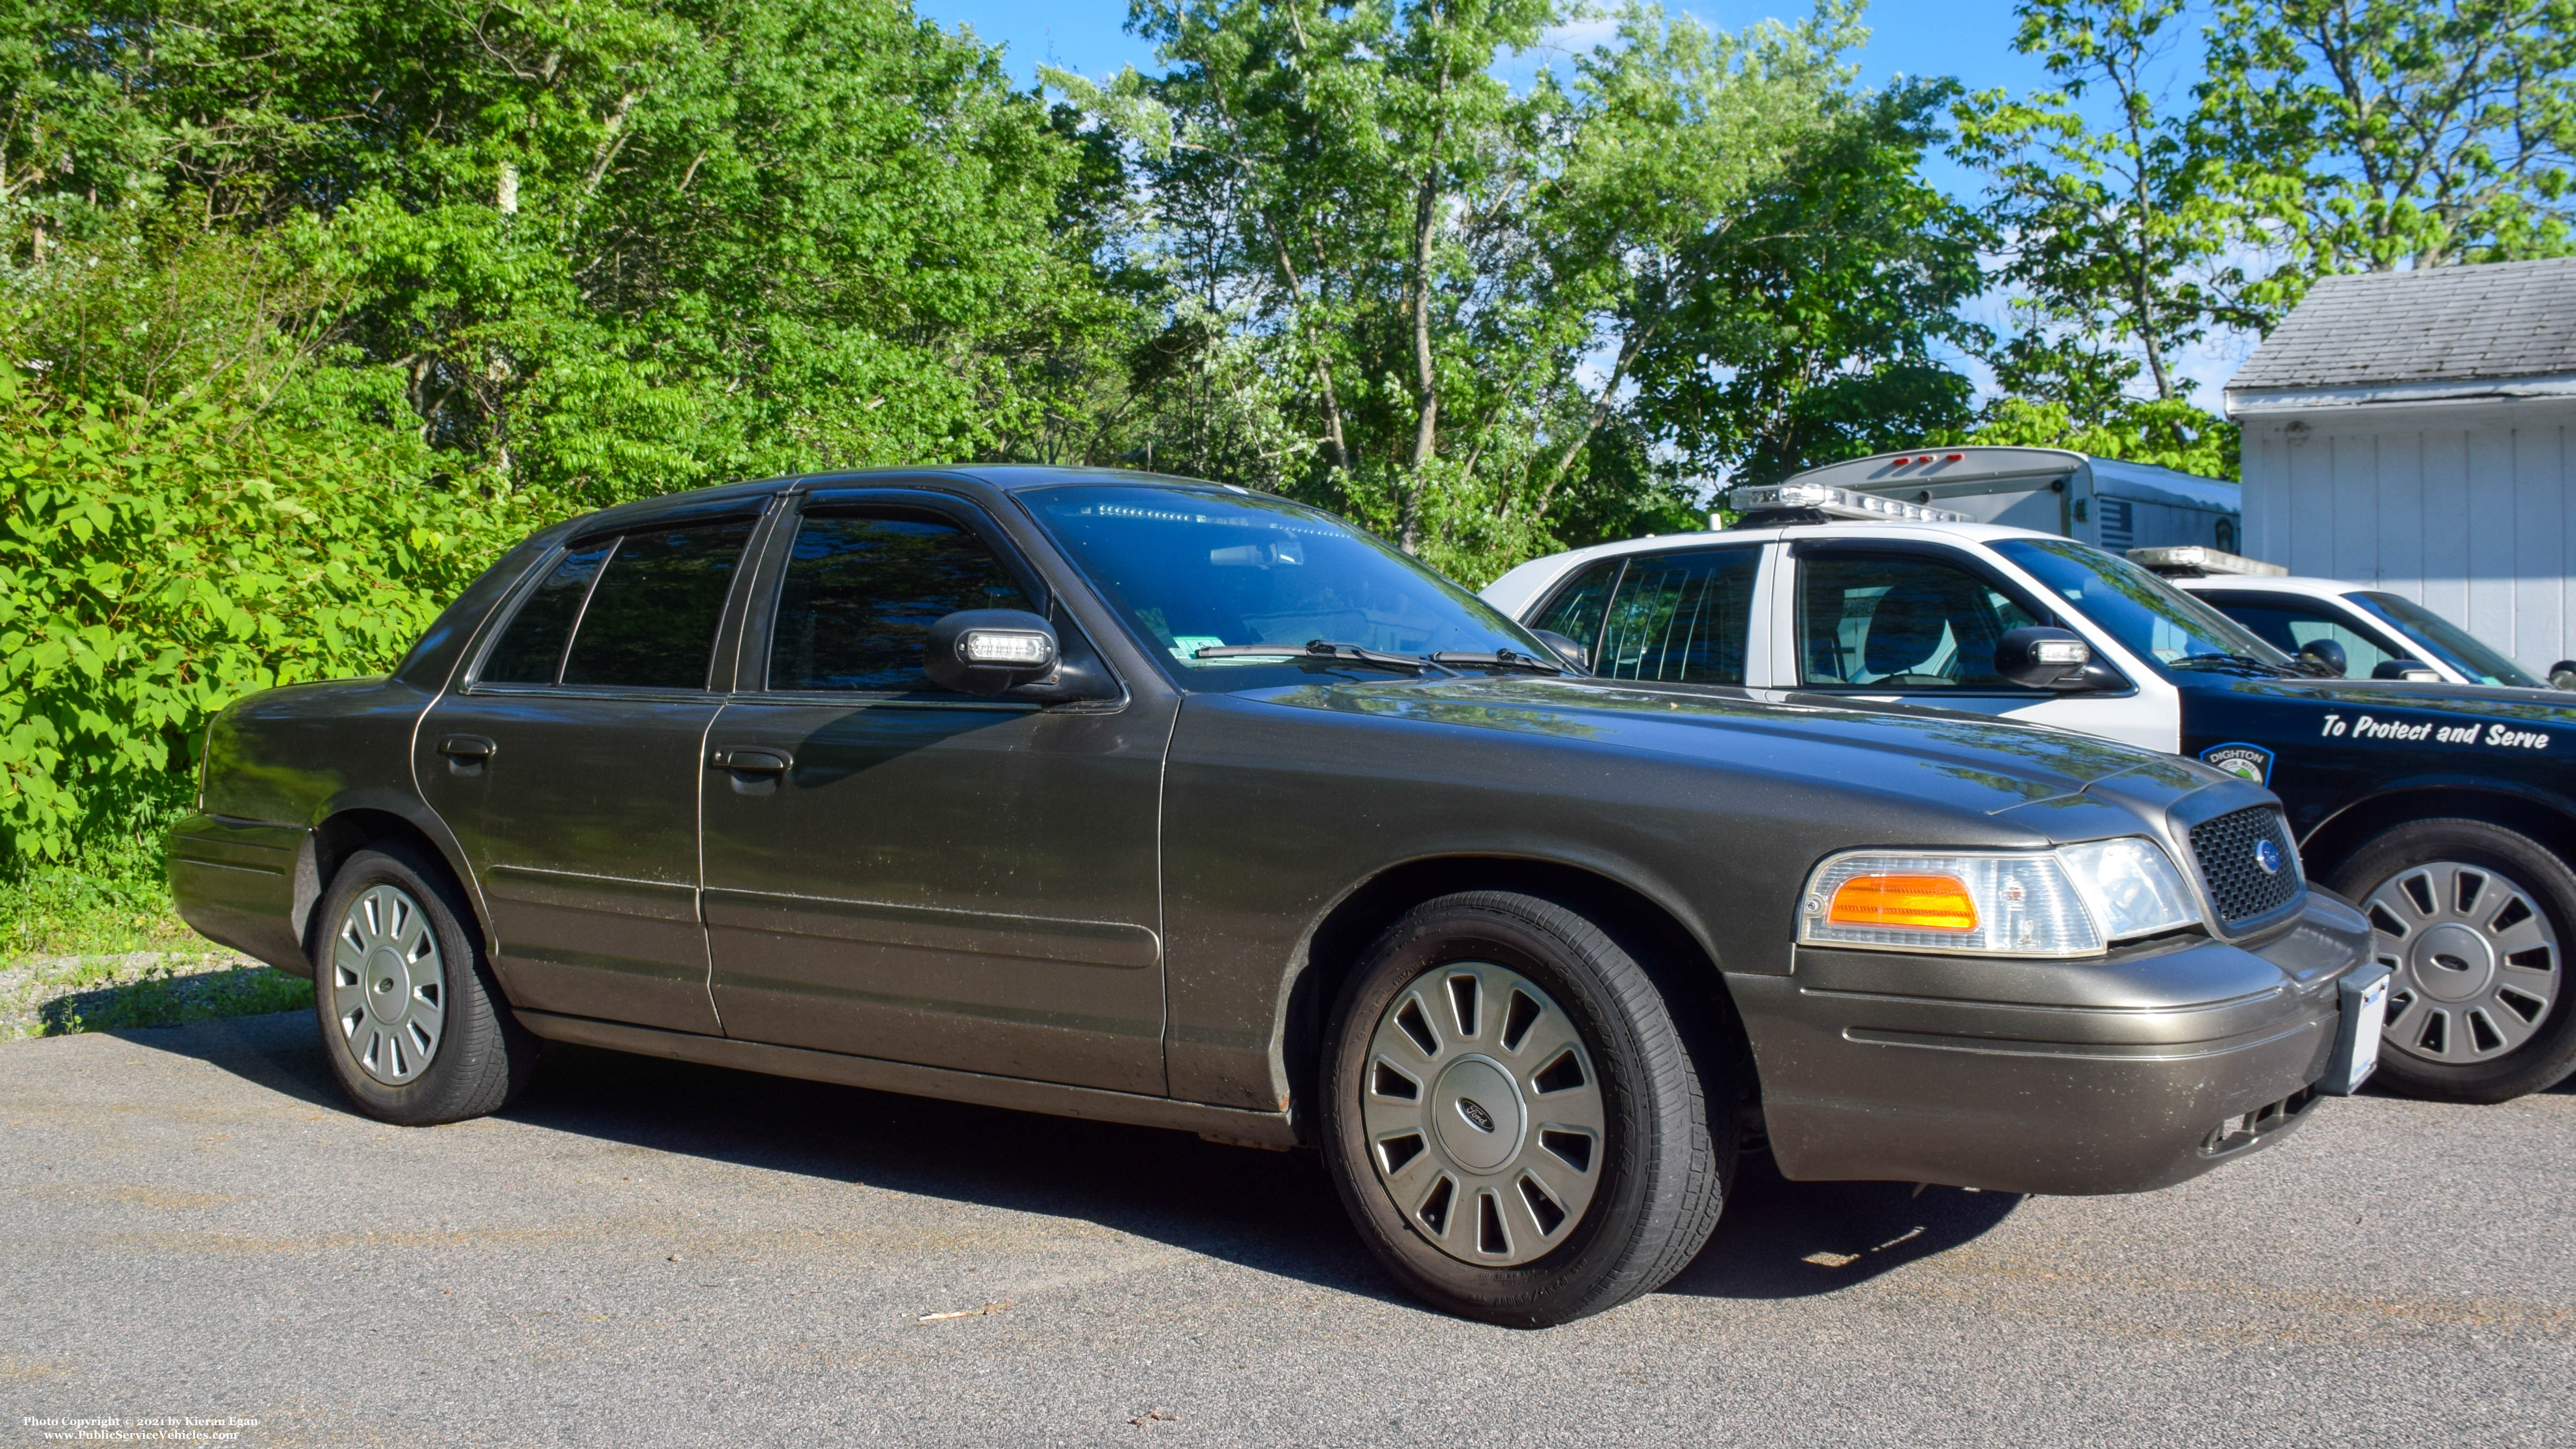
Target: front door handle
[
  {"x": 467, "y": 747},
  {"x": 751, "y": 762}
]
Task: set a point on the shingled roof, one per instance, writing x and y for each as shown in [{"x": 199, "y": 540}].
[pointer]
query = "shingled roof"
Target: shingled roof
[{"x": 2441, "y": 324}]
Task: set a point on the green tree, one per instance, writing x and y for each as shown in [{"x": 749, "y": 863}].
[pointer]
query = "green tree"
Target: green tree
[
  {"x": 1817, "y": 318},
  {"x": 1452, "y": 281},
  {"x": 2375, "y": 134}
]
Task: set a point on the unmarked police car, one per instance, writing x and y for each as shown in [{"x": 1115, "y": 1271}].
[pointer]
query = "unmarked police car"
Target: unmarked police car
[{"x": 2447, "y": 811}]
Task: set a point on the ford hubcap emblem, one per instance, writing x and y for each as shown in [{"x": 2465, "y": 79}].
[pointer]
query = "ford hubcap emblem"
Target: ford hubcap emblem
[
  {"x": 2268, "y": 856},
  {"x": 1476, "y": 1115}
]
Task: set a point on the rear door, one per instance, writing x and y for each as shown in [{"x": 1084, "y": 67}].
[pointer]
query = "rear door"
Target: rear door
[
  {"x": 899, "y": 872},
  {"x": 568, "y": 768},
  {"x": 1918, "y": 623}
]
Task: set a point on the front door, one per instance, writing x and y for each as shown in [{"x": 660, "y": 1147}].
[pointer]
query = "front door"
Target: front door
[
  {"x": 1920, "y": 625},
  {"x": 898, "y": 872},
  {"x": 568, "y": 769}
]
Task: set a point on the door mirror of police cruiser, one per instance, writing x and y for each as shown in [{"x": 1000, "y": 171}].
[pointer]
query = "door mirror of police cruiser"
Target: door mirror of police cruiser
[
  {"x": 2406, "y": 669},
  {"x": 1576, "y": 655},
  {"x": 2325, "y": 659},
  {"x": 2562, "y": 675},
  {"x": 2043, "y": 658},
  {"x": 989, "y": 651}
]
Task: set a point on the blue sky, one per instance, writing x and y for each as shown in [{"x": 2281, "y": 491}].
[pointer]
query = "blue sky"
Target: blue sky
[{"x": 1969, "y": 39}]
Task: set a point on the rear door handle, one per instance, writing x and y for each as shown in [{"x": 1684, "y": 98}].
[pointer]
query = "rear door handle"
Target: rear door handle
[
  {"x": 751, "y": 762},
  {"x": 467, "y": 747}
]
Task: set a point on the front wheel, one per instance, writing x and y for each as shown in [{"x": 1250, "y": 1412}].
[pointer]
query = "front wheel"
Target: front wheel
[
  {"x": 414, "y": 1026},
  {"x": 1513, "y": 1118},
  {"x": 2473, "y": 922}
]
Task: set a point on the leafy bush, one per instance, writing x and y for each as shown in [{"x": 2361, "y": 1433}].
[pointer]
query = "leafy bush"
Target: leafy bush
[{"x": 186, "y": 517}]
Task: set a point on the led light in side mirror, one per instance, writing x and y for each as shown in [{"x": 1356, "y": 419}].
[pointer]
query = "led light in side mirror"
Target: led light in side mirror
[
  {"x": 2043, "y": 658},
  {"x": 1011, "y": 648},
  {"x": 989, "y": 651}
]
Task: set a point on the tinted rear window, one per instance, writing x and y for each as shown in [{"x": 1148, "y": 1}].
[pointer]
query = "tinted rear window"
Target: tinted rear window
[
  {"x": 651, "y": 621},
  {"x": 862, "y": 592},
  {"x": 531, "y": 650},
  {"x": 1682, "y": 617}
]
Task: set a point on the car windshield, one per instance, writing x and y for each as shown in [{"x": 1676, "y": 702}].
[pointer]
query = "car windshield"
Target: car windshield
[
  {"x": 1192, "y": 569},
  {"x": 2446, "y": 641},
  {"x": 2151, "y": 618}
]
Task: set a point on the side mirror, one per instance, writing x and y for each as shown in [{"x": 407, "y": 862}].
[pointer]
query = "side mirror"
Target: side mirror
[
  {"x": 2043, "y": 658},
  {"x": 2562, "y": 675},
  {"x": 1574, "y": 654},
  {"x": 2406, "y": 669},
  {"x": 2325, "y": 658},
  {"x": 987, "y": 651}
]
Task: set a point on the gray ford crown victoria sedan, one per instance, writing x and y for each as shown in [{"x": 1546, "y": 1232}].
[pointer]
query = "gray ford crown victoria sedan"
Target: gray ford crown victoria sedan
[{"x": 1169, "y": 803}]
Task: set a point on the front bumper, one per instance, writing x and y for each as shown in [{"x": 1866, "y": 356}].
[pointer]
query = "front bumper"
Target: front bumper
[{"x": 2119, "y": 1074}]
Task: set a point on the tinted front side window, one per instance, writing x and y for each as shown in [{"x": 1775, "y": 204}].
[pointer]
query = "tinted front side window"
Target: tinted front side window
[
  {"x": 1902, "y": 623},
  {"x": 1576, "y": 610},
  {"x": 862, "y": 592},
  {"x": 1682, "y": 617},
  {"x": 652, "y": 618},
  {"x": 531, "y": 650},
  {"x": 2290, "y": 626}
]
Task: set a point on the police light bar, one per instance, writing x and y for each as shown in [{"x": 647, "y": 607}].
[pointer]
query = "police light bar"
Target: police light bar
[
  {"x": 1836, "y": 503},
  {"x": 2193, "y": 560}
]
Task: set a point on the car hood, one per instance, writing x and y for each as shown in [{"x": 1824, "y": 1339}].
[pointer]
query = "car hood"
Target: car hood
[{"x": 1968, "y": 761}]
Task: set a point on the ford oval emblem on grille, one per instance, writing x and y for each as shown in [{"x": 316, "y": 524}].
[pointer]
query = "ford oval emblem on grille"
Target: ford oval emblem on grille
[{"x": 2268, "y": 856}]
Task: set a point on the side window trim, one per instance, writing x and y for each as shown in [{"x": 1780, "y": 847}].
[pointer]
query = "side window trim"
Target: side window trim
[{"x": 1966, "y": 561}]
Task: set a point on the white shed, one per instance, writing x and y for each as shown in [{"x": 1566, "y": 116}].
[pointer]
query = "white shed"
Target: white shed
[{"x": 2412, "y": 431}]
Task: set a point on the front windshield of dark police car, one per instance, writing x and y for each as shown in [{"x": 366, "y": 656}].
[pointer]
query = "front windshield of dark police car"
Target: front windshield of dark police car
[
  {"x": 2151, "y": 618},
  {"x": 2446, "y": 641},
  {"x": 1192, "y": 569}
]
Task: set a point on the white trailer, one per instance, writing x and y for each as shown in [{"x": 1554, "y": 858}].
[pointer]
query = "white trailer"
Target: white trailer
[{"x": 2103, "y": 501}]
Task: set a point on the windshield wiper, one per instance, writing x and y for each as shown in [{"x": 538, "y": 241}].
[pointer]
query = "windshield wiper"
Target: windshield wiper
[
  {"x": 1499, "y": 659},
  {"x": 2234, "y": 661},
  {"x": 1319, "y": 649}
]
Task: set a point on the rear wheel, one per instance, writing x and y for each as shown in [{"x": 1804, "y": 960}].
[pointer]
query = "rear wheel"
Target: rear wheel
[
  {"x": 415, "y": 1029},
  {"x": 1514, "y": 1119},
  {"x": 2473, "y": 921}
]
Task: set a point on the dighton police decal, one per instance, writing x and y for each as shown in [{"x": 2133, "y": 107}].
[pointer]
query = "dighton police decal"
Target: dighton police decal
[
  {"x": 2433, "y": 732},
  {"x": 2251, "y": 762}
]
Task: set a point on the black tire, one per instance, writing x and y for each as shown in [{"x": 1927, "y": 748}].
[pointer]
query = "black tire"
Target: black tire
[
  {"x": 1664, "y": 1175},
  {"x": 2549, "y": 1054},
  {"x": 482, "y": 1056}
]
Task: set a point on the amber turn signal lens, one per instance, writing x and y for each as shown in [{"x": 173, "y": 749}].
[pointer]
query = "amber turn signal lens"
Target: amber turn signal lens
[{"x": 1912, "y": 902}]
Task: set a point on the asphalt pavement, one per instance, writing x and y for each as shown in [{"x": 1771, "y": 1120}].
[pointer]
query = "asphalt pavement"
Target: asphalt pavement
[{"x": 647, "y": 1253}]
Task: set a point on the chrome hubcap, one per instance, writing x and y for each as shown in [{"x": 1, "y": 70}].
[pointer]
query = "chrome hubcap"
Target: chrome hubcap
[
  {"x": 1484, "y": 1117},
  {"x": 388, "y": 985},
  {"x": 2473, "y": 961}
]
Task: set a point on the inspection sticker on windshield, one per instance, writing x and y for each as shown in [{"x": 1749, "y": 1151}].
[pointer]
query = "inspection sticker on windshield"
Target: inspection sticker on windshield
[
  {"x": 2434, "y": 732},
  {"x": 2246, "y": 762}
]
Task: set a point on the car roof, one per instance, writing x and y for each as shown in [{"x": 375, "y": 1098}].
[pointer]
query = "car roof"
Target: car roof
[
  {"x": 1855, "y": 529},
  {"x": 2303, "y": 587},
  {"x": 1007, "y": 477}
]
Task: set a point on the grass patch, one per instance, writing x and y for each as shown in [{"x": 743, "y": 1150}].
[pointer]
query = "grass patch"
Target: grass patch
[
  {"x": 112, "y": 899},
  {"x": 63, "y": 995}
]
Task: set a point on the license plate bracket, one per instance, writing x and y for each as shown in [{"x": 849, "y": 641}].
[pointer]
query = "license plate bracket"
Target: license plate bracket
[{"x": 2364, "y": 996}]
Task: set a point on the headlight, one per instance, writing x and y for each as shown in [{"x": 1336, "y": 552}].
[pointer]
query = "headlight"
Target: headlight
[
  {"x": 2131, "y": 887},
  {"x": 2069, "y": 902}
]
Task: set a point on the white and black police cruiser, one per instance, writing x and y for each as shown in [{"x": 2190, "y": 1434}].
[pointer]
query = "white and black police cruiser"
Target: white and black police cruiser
[{"x": 2447, "y": 811}]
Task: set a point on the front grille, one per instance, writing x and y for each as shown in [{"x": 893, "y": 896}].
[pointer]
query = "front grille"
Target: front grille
[{"x": 2238, "y": 884}]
